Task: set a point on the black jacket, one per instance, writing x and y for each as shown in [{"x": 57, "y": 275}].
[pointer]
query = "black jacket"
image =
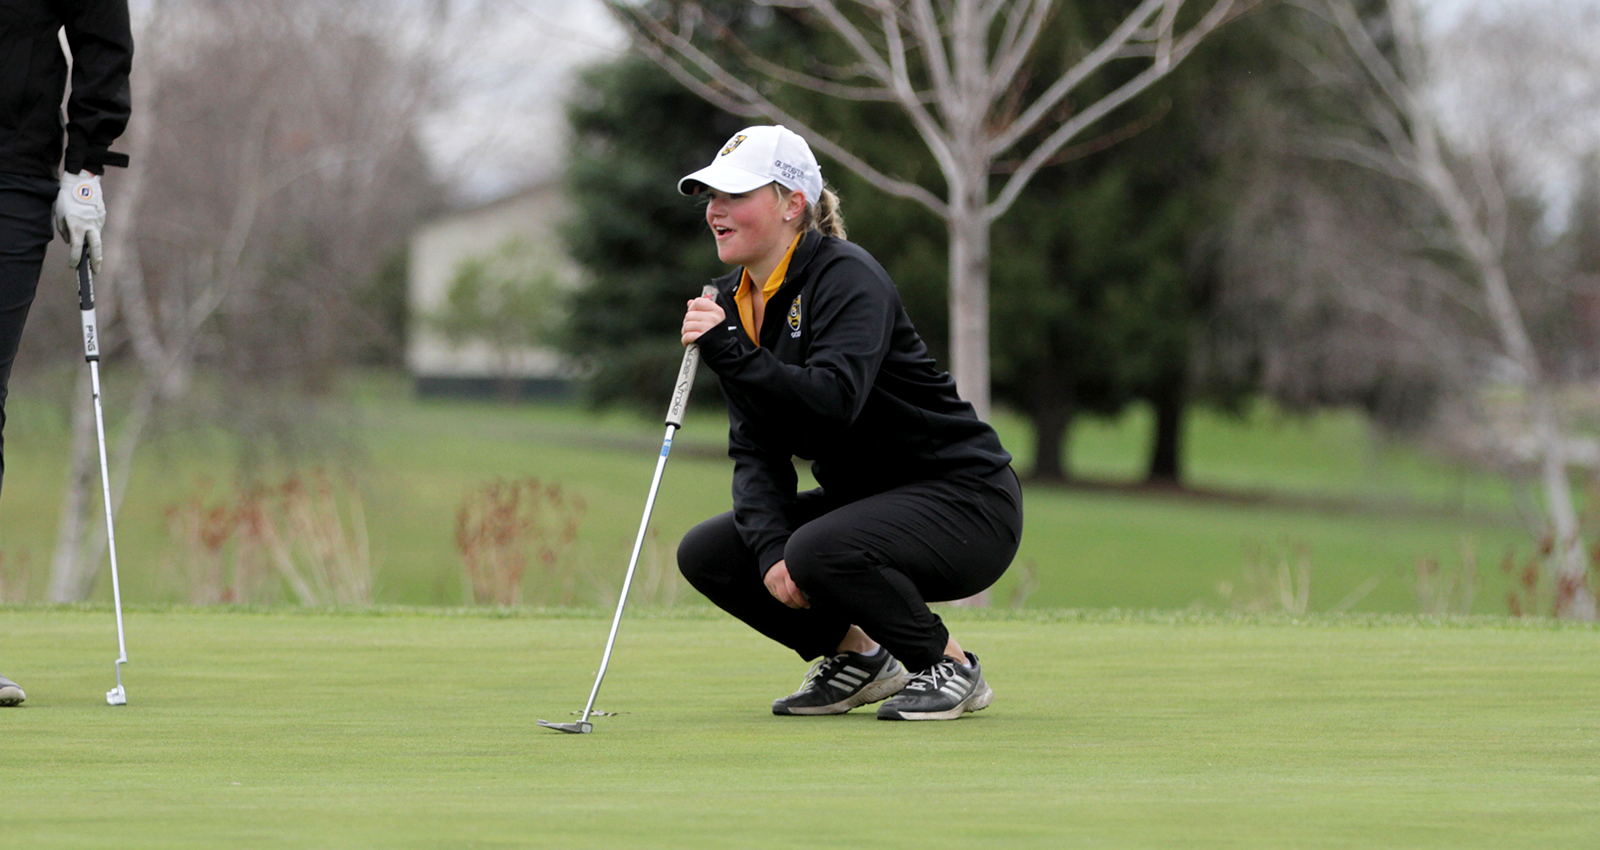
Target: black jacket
[
  {"x": 33, "y": 77},
  {"x": 842, "y": 379}
]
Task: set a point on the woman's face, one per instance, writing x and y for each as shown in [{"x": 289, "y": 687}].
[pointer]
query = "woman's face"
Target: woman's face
[{"x": 749, "y": 226}]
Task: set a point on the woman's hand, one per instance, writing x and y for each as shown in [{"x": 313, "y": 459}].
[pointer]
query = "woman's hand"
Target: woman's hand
[
  {"x": 783, "y": 588},
  {"x": 703, "y": 315}
]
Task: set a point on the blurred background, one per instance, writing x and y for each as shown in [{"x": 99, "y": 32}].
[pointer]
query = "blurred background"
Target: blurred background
[{"x": 1308, "y": 323}]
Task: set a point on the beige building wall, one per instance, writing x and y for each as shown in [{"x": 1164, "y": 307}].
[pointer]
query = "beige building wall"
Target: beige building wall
[{"x": 438, "y": 251}]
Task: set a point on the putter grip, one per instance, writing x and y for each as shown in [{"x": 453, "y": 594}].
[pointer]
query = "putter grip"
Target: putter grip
[
  {"x": 691, "y": 362},
  {"x": 91, "y": 330},
  {"x": 85, "y": 283}
]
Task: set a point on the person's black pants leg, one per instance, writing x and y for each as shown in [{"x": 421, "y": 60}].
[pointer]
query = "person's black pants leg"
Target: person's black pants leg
[
  {"x": 875, "y": 562},
  {"x": 25, "y": 231},
  {"x": 717, "y": 563}
]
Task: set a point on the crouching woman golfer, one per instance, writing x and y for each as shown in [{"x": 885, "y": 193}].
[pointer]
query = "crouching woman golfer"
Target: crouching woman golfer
[{"x": 917, "y": 502}]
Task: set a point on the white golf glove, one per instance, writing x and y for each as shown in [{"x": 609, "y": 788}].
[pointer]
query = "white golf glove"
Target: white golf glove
[{"x": 80, "y": 215}]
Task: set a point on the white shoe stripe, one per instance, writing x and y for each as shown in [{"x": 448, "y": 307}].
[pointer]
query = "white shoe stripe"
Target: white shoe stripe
[
  {"x": 957, "y": 690},
  {"x": 855, "y": 671},
  {"x": 848, "y": 680}
]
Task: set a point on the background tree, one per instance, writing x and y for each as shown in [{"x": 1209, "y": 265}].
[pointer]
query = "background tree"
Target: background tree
[
  {"x": 1473, "y": 216},
  {"x": 275, "y": 173},
  {"x": 643, "y": 246},
  {"x": 958, "y": 72},
  {"x": 1122, "y": 269},
  {"x": 1396, "y": 253}
]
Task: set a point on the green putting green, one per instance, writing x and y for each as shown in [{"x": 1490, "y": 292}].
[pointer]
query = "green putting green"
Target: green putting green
[{"x": 415, "y": 728}]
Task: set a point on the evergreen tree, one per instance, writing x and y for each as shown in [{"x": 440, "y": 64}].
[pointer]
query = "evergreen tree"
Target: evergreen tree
[{"x": 644, "y": 247}]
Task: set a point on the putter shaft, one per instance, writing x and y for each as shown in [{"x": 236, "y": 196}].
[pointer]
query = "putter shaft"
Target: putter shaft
[
  {"x": 633, "y": 562},
  {"x": 91, "y": 355},
  {"x": 675, "y": 412}
]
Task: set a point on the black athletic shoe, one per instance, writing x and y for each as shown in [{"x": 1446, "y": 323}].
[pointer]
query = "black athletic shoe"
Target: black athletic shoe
[
  {"x": 944, "y": 691},
  {"x": 841, "y": 682},
  {"x": 10, "y": 694}
]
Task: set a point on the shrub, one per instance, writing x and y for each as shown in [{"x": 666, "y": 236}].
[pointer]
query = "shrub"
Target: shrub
[
  {"x": 505, "y": 526},
  {"x": 307, "y": 534}
]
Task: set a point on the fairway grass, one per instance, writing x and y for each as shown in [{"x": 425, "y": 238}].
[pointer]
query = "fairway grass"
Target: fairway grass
[{"x": 406, "y": 728}]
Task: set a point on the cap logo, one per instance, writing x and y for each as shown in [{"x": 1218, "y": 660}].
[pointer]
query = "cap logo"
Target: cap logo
[
  {"x": 737, "y": 141},
  {"x": 790, "y": 172}
]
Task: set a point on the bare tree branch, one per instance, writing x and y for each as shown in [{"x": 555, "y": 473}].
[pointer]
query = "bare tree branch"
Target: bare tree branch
[
  {"x": 925, "y": 25},
  {"x": 746, "y": 101},
  {"x": 819, "y": 85},
  {"x": 1360, "y": 154},
  {"x": 1095, "y": 145},
  {"x": 1366, "y": 50},
  {"x": 1017, "y": 42},
  {"x": 1051, "y": 98},
  {"x": 1099, "y": 109}
]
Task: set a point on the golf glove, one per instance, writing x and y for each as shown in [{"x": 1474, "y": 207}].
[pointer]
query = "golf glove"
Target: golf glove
[{"x": 80, "y": 215}]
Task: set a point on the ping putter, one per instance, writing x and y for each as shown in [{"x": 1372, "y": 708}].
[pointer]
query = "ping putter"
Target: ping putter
[
  {"x": 91, "y": 354},
  {"x": 680, "y": 400}
]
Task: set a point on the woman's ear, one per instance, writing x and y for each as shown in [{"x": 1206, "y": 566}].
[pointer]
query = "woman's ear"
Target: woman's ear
[{"x": 794, "y": 205}]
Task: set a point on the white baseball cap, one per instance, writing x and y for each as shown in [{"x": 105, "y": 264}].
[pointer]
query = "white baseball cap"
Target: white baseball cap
[{"x": 756, "y": 156}]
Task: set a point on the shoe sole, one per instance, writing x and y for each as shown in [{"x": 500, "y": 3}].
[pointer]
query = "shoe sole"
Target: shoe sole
[
  {"x": 11, "y": 696},
  {"x": 873, "y": 692},
  {"x": 976, "y": 701}
]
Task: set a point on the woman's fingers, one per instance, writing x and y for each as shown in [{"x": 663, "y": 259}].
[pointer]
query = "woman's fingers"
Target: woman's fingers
[
  {"x": 783, "y": 588},
  {"x": 702, "y": 315},
  {"x": 793, "y": 597}
]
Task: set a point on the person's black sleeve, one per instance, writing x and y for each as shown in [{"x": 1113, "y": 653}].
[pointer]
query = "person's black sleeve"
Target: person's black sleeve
[
  {"x": 851, "y": 326},
  {"x": 102, "y": 56},
  {"x": 764, "y": 483}
]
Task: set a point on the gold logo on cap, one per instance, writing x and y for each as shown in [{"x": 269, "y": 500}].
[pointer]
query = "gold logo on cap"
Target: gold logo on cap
[{"x": 737, "y": 140}]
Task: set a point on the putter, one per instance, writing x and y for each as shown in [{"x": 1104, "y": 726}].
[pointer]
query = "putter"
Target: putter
[
  {"x": 91, "y": 354},
  {"x": 680, "y": 400}
]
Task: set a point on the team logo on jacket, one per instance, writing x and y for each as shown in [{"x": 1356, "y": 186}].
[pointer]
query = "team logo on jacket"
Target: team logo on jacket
[
  {"x": 794, "y": 317},
  {"x": 733, "y": 143}
]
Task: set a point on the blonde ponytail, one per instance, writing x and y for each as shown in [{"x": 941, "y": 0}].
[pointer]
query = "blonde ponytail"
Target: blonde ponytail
[{"x": 825, "y": 216}]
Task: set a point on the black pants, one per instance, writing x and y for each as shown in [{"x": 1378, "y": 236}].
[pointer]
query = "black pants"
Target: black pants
[
  {"x": 25, "y": 212},
  {"x": 875, "y": 563}
]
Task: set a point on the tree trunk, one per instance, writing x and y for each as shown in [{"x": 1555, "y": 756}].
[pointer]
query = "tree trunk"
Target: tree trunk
[
  {"x": 969, "y": 301},
  {"x": 1569, "y": 560},
  {"x": 70, "y": 580},
  {"x": 1573, "y": 597},
  {"x": 1052, "y": 422},
  {"x": 1050, "y": 437},
  {"x": 1168, "y": 399}
]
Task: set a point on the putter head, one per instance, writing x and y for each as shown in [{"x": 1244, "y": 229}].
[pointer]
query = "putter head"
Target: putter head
[
  {"x": 578, "y": 728},
  {"x": 116, "y": 696}
]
